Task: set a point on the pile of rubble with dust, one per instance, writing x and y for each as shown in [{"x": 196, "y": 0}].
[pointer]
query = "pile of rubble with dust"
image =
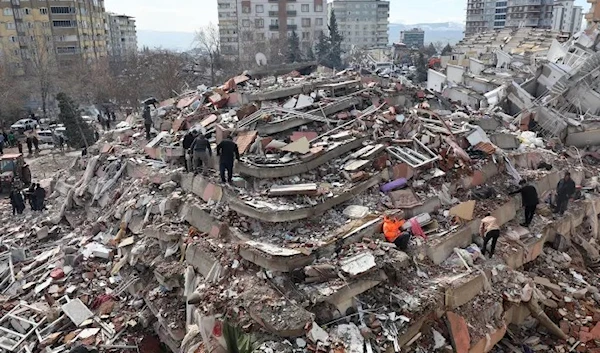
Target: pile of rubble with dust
[{"x": 134, "y": 252}]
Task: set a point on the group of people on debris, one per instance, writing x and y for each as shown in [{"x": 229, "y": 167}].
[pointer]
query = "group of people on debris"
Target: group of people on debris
[
  {"x": 489, "y": 228},
  {"x": 35, "y": 194},
  {"x": 198, "y": 154}
]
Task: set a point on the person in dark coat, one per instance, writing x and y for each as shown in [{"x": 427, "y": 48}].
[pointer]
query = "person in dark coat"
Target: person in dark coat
[
  {"x": 188, "y": 139},
  {"x": 40, "y": 197},
  {"x": 30, "y": 195},
  {"x": 564, "y": 191},
  {"x": 16, "y": 200},
  {"x": 147, "y": 121},
  {"x": 201, "y": 153},
  {"x": 29, "y": 143},
  {"x": 530, "y": 200},
  {"x": 228, "y": 151}
]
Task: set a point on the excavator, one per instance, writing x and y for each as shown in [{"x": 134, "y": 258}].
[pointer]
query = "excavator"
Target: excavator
[{"x": 14, "y": 172}]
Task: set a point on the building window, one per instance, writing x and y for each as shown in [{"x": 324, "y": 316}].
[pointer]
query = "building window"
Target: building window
[
  {"x": 64, "y": 23},
  {"x": 306, "y": 22},
  {"x": 318, "y": 8},
  {"x": 11, "y": 25},
  {"x": 245, "y": 23},
  {"x": 246, "y": 9},
  {"x": 62, "y": 10},
  {"x": 319, "y": 21},
  {"x": 27, "y": 11},
  {"x": 259, "y": 23},
  {"x": 275, "y": 7},
  {"x": 500, "y": 17},
  {"x": 274, "y": 22},
  {"x": 66, "y": 50},
  {"x": 247, "y": 36},
  {"x": 501, "y": 10},
  {"x": 43, "y": 11},
  {"x": 8, "y": 11},
  {"x": 260, "y": 9},
  {"x": 305, "y": 8},
  {"x": 291, "y": 7},
  {"x": 13, "y": 39},
  {"x": 260, "y": 36},
  {"x": 305, "y": 35}
]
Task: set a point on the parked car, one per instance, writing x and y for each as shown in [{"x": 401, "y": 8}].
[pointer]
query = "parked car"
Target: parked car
[
  {"x": 46, "y": 137},
  {"x": 24, "y": 124}
]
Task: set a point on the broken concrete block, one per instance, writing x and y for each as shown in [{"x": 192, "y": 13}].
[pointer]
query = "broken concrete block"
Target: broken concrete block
[
  {"x": 42, "y": 233},
  {"x": 301, "y": 146},
  {"x": 77, "y": 311},
  {"x": 459, "y": 332}
]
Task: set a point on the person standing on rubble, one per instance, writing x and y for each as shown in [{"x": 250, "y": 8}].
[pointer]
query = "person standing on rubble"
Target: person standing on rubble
[
  {"x": 489, "y": 230},
  {"x": 16, "y": 200},
  {"x": 30, "y": 195},
  {"x": 564, "y": 191},
  {"x": 228, "y": 151},
  {"x": 40, "y": 197},
  {"x": 147, "y": 121},
  {"x": 188, "y": 139},
  {"x": 530, "y": 200},
  {"x": 201, "y": 153}
]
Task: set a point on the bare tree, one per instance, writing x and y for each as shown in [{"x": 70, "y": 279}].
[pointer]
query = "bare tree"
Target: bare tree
[
  {"x": 40, "y": 62},
  {"x": 12, "y": 95},
  {"x": 208, "y": 43}
]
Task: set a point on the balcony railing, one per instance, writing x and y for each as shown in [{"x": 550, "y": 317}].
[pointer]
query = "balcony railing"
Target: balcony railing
[
  {"x": 292, "y": 27},
  {"x": 274, "y": 27},
  {"x": 292, "y": 13},
  {"x": 273, "y": 13}
]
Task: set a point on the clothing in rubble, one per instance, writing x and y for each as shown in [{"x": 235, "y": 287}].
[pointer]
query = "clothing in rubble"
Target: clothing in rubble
[{"x": 228, "y": 152}]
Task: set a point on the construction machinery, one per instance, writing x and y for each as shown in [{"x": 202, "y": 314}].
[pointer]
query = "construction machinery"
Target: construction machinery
[{"x": 14, "y": 172}]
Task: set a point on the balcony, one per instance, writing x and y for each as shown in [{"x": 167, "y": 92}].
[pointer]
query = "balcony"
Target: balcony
[
  {"x": 292, "y": 27},
  {"x": 292, "y": 13},
  {"x": 273, "y": 13},
  {"x": 273, "y": 27}
]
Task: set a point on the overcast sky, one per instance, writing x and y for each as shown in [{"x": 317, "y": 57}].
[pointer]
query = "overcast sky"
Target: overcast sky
[{"x": 189, "y": 15}]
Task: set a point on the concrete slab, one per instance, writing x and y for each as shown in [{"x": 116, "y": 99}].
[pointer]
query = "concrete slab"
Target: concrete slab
[
  {"x": 77, "y": 311},
  {"x": 459, "y": 332}
]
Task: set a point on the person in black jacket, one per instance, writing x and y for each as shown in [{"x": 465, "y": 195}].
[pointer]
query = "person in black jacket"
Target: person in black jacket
[
  {"x": 529, "y": 197},
  {"x": 16, "y": 200},
  {"x": 227, "y": 150},
  {"x": 188, "y": 139},
  {"x": 201, "y": 153},
  {"x": 564, "y": 191},
  {"x": 40, "y": 197}
]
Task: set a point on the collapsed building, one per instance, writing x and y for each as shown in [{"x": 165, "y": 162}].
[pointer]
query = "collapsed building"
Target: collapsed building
[{"x": 135, "y": 252}]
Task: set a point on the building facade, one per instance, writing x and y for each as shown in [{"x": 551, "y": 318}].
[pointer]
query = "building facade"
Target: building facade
[
  {"x": 413, "y": 38},
  {"x": 566, "y": 17},
  {"x": 362, "y": 23},
  {"x": 593, "y": 16},
  {"x": 530, "y": 13},
  {"x": 68, "y": 31},
  {"x": 249, "y": 26},
  {"x": 122, "y": 36},
  {"x": 558, "y": 15}
]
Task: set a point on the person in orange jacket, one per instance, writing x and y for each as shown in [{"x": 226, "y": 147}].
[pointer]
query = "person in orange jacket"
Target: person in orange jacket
[{"x": 392, "y": 229}]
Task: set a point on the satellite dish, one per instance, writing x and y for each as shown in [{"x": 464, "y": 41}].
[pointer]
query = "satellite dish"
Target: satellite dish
[{"x": 261, "y": 59}]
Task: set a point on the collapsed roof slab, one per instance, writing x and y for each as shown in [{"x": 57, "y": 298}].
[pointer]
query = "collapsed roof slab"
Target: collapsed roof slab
[
  {"x": 287, "y": 170},
  {"x": 288, "y": 124},
  {"x": 279, "y": 216}
]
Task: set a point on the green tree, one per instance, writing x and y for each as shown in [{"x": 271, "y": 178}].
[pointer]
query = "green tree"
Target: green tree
[
  {"x": 447, "y": 49},
  {"x": 294, "y": 53},
  {"x": 310, "y": 54},
  {"x": 322, "y": 50},
  {"x": 421, "y": 68},
  {"x": 79, "y": 134},
  {"x": 335, "y": 41}
]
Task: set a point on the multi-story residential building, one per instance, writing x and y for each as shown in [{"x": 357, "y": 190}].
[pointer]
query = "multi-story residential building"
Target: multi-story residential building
[
  {"x": 362, "y": 23},
  {"x": 248, "y": 26},
  {"x": 413, "y": 38},
  {"x": 559, "y": 15},
  {"x": 566, "y": 17},
  {"x": 530, "y": 13},
  {"x": 122, "y": 36},
  {"x": 593, "y": 16},
  {"x": 66, "y": 30}
]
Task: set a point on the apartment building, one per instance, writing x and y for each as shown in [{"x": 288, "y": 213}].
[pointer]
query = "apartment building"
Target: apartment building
[
  {"x": 69, "y": 31},
  {"x": 558, "y": 15},
  {"x": 248, "y": 26},
  {"x": 530, "y": 13},
  {"x": 566, "y": 17},
  {"x": 122, "y": 36},
  {"x": 362, "y": 23},
  {"x": 413, "y": 38},
  {"x": 593, "y": 16}
]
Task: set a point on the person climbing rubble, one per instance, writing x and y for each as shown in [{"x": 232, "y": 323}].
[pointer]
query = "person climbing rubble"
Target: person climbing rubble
[
  {"x": 147, "y": 121},
  {"x": 188, "y": 139},
  {"x": 564, "y": 191},
  {"x": 530, "y": 200},
  {"x": 228, "y": 152},
  {"x": 489, "y": 230},
  {"x": 40, "y": 197},
  {"x": 201, "y": 153},
  {"x": 392, "y": 230}
]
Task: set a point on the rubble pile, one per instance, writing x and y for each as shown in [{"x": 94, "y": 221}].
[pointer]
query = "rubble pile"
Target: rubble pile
[{"x": 134, "y": 250}]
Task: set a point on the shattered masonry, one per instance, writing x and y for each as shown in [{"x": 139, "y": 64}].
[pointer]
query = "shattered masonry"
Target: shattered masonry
[{"x": 134, "y": 252}]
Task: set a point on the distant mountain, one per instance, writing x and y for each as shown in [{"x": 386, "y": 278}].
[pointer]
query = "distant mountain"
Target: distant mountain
[
  {"x": 446, "y": 32},
  {"x": 180, "y": 41}
]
